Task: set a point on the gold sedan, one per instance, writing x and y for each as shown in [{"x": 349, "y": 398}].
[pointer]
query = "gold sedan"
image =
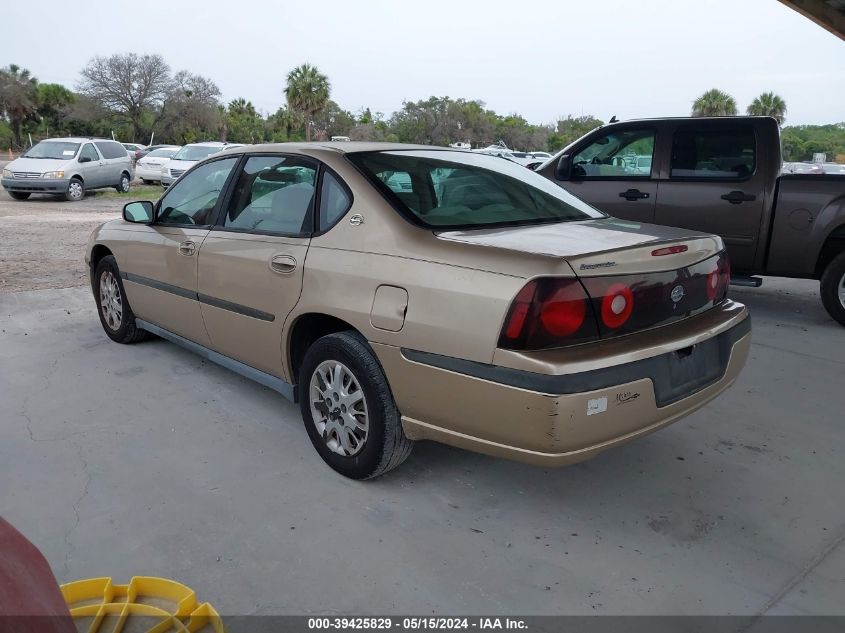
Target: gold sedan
[{"x": 403, "y": 293}]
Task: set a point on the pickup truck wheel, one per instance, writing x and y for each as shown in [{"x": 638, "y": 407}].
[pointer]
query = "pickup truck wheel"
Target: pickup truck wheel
[
  {"x": 116, "y": 316},
  {"x": 348, "y": 408},
  {"x": 833, "y": 288},
  {"x": 19, "y": 195}
]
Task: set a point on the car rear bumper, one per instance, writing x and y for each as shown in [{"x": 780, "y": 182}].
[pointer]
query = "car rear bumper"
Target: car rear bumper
[
  {"x": 34, "y": 185},
  {"x": 558, "y": 418}
]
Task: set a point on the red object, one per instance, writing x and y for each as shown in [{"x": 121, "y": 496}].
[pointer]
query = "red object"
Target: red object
[
  {"x": 30, "y": 598},
  {"x": 612, "y": 314},
  {"x": 670, "y": 250},
  {"x": 562, "y": 314}
]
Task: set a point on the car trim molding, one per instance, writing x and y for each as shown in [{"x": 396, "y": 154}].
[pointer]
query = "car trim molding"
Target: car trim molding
[
  {"x": 206, "y": 299},
  {"x": 592, "y": 380},
  {"x": 235, "y": 307},
  {"x": 276, "y": 384}
]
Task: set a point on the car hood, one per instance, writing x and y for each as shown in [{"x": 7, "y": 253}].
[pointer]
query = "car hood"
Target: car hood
[
  {"x": 181, "y": 164},
  {"x": 598, "y": 247},
  {"x": 37, "y": 165}
]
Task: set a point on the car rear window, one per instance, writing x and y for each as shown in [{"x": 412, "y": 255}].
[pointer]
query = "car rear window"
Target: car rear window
[
  {"x": 451, "y": 190},
  {"x": 162, "y": 153}
]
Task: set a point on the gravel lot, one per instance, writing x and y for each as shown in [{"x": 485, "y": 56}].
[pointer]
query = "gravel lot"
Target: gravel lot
[{"x": 41, "y": 240}]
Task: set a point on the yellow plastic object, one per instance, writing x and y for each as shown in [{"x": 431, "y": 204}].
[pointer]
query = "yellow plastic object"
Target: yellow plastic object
[{"x": 148, "y": 604}]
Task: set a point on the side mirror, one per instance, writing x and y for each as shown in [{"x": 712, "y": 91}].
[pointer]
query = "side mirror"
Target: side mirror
[
  {"x": 563, "y": 168},
  {"x": 139, "y": 212},
  {"x": 84, "y": 159}
]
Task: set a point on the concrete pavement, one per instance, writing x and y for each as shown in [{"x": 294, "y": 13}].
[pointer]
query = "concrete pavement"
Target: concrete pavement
[{"x": 131, "y": 460}]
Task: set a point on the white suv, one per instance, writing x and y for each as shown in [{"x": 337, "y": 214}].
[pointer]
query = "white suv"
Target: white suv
[{"x": 189, "y": 156}]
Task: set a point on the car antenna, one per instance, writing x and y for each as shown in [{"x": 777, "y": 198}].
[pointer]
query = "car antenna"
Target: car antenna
[{"x": 613, "y": 119}]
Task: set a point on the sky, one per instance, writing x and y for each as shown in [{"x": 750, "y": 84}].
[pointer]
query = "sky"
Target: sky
[{"x": 542, "y": 59}]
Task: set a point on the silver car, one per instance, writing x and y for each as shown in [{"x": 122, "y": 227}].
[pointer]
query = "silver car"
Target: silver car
[{"x": 68, "y": 167}]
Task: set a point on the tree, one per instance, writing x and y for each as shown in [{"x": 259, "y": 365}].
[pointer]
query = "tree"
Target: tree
[
  {"x": 714, "y": 102},
  {"x": 129, "y": 84},
  {"x": 244, "y": 124},
  {"x": 18, "y": 98},
  {"x": 52, "y": 107},
  {"x": 307, "y": 92},
  {"x": 190, "y": 111},
  {"x": 768, "y": 104}
]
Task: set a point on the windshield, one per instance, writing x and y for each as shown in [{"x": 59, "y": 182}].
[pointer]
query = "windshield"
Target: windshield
[
  {"x": 450, "y": 190},
  {"x": 53, "y": 149},
  {"x": 197, "y": 152},
  {"x": 162, "y": 153}
]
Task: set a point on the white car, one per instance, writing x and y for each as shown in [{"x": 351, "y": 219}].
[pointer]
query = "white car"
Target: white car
[
  {"x": 189, "y": 156},
  {"x": 148, "y": 168}
]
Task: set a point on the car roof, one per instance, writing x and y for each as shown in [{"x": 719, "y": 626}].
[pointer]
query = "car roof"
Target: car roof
[
  {"x": 342, "y": 147},
  {"x": 77, "y": 139}
]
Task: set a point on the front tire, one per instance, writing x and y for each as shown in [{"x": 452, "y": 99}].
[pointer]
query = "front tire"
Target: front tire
[
  {"x": 75, "y": 190},
  {"x": 123, "y": 185},
  {"x": 116, "y": 316},
  {"x": 832, "y": 288},
  {"x": 348, "y": 409},
  {"x": 19, "y": 195}
]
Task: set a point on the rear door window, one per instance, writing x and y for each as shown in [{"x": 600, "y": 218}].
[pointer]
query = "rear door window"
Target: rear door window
[
  {"x": 273, "y": 194},
  {"x": 111, "y": 150},
  {"x": 335, "y": 200},
  {"x": 724, "y": 154}
]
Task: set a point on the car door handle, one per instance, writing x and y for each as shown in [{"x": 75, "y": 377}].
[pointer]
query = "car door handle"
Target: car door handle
[
  {"x": 633, "y": 194},
  {"x": 736, "y": 197},
  {"x": 187, "y": 248},
  {"x": 284, "y": 264}
]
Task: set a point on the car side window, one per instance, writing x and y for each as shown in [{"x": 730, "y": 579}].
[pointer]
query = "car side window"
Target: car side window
[
  {"x": 334, "y": 201},
  {"x": 619, "y": 154},
  {"x": 273, "y": 194},
  {"x": 716, "y": 154},
  {"x": 110, "y": 149},
  {"x": 192, "y": 198},
  {"x": 89, "y": 153}
]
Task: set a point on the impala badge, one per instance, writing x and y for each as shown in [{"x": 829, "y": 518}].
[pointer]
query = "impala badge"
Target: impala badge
[{"x": 677, "y": 293}]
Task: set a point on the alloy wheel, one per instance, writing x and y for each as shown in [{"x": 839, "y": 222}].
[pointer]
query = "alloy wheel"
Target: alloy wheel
[
  {"x": 111, "y": 303},
  {"x": 841, "y": 291},
  {"x": 338, "y": 408}
]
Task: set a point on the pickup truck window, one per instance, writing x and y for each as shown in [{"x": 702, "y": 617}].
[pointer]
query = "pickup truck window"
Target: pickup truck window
[
  {"x": 715, "y": 154},
  {"x": 622, "y": 154}
]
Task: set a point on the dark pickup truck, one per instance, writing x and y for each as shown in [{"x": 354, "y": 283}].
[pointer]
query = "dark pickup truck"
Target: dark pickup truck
[{"x": 718, "y": 175}]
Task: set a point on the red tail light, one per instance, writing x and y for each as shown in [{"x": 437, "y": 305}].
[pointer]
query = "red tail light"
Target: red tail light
[
  {"x": 554, "y": 312},
  {"x": 549, "y": 312}
]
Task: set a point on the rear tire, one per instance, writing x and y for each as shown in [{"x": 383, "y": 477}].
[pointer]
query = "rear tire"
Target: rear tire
[
  {"x": 123, "y": 185},
  {"x": 19, "y": 195},
  {"x": 116, "y": 316},
  {"x": 375, "y": 435},
  {"x": 75, "y": 190},
  {"x": 832, "y": 288}
]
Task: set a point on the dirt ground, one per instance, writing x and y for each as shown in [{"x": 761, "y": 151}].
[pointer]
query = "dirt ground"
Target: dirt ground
[{"x": 42, "y": 239}]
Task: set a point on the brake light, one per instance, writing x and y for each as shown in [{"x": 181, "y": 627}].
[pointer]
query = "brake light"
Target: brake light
[
  {"x": 670, "y": 250},
  {"x": 563, "y": 313},
  {"x": 617, "y": 306},
  {"x": 549, "y": 312}
]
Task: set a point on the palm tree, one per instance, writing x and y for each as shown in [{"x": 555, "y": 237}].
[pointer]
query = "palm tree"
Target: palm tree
[
  {"x": 307, "y": 92},
  {"x": 18, "y": 98},
  {"x": 714, "y": 103},
  {"x": 768, "y": 104}
]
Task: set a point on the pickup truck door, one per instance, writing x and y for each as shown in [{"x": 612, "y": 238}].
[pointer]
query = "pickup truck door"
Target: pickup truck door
[
  {"x": 715, "y": 184},
  {"x": 615, "y": 172}
]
